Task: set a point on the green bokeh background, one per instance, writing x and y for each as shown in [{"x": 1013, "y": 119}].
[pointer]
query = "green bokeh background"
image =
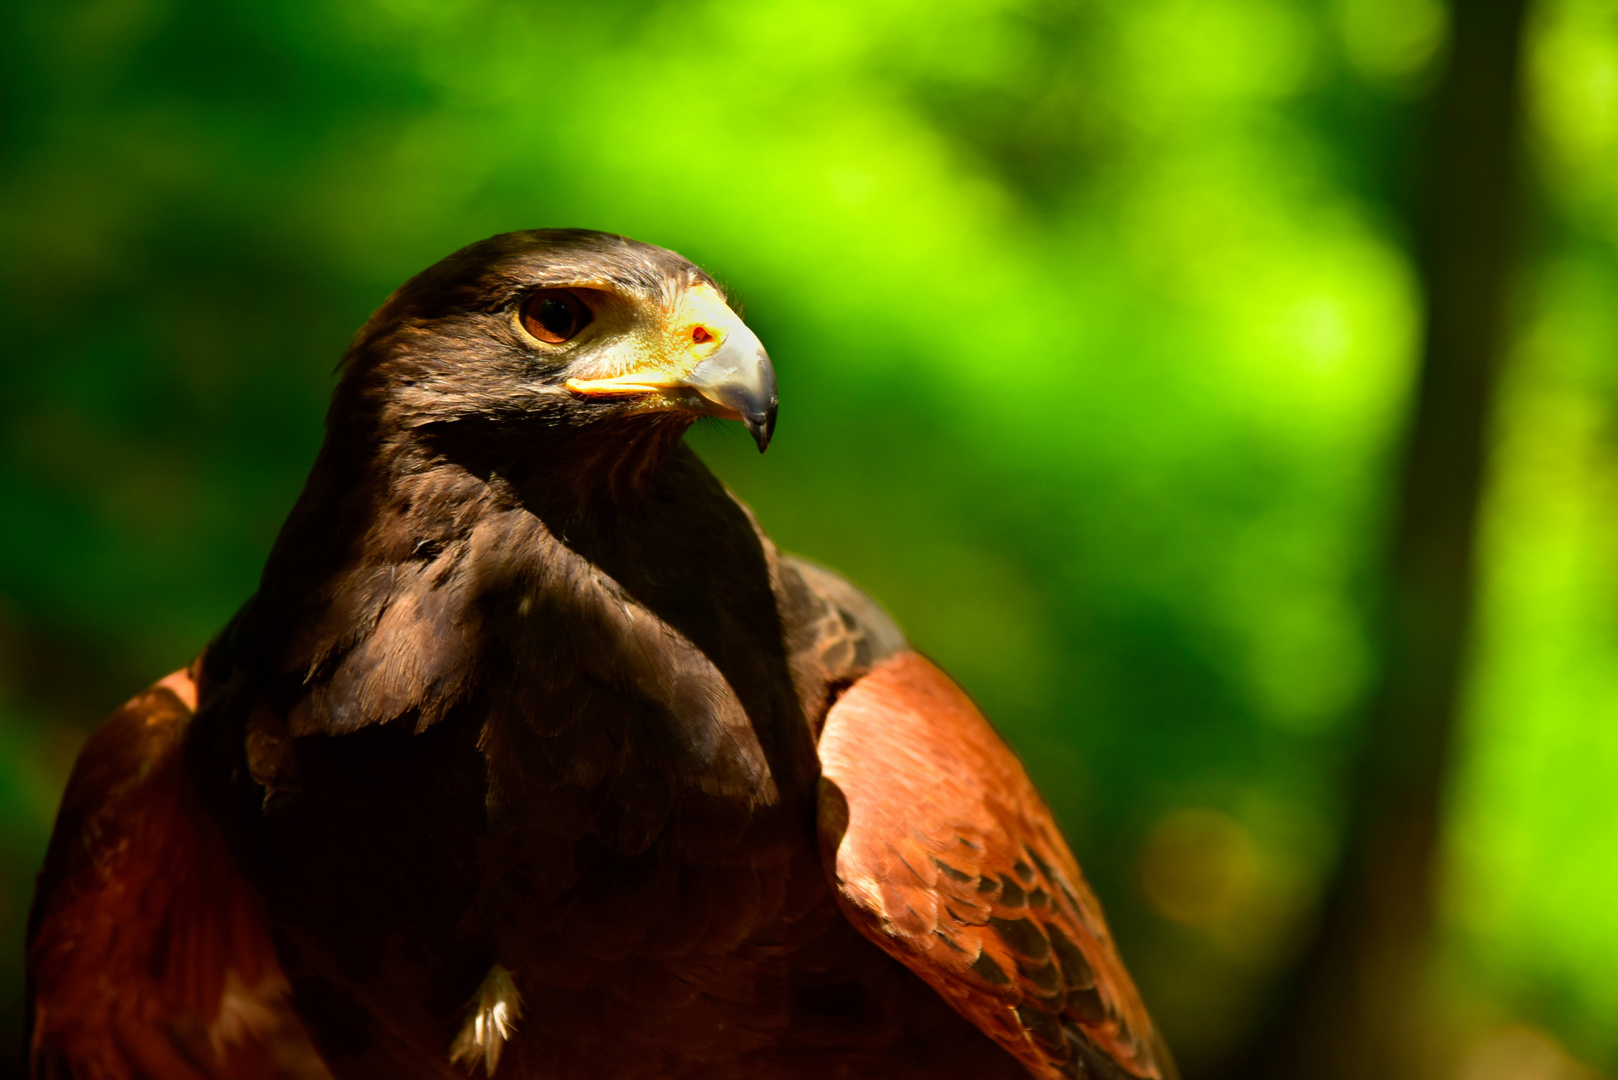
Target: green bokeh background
[{"x": 1095, "y": 325}]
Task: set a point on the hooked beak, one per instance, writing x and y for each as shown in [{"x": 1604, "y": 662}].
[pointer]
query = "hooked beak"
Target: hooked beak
[
  {"x": 739, "y": 382},
  {"x": 734, "y": 380}
]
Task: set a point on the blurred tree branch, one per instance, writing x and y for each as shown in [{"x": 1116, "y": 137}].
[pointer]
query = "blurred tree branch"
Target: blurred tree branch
[{"x": 1359, "y": 1005}]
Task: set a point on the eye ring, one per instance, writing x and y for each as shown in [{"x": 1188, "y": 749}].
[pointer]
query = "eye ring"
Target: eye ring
[{"x": 555, "y": 315}]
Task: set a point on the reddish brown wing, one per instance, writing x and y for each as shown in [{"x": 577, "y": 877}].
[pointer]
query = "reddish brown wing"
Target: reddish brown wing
[
  {"x": 946, "y": 857},
  {"x": 147, "y": 954}
]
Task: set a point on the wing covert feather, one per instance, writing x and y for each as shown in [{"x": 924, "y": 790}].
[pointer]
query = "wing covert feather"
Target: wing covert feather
[
  {"x": 148, "y": 956},
  {"x": 944, "y": 855}
]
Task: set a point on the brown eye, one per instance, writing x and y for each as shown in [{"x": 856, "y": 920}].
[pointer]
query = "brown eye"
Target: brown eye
[{"x": 554, "y": 315}]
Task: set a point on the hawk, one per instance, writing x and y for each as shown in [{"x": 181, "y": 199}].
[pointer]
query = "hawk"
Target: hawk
[{"x": 532, "y": 755}]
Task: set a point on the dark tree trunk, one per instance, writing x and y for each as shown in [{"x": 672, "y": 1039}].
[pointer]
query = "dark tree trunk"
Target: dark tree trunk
[{"x": 1358, "y": 1006}]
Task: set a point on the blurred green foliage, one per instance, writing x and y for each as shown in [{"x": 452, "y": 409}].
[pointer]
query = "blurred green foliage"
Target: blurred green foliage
[
  {"x": 1094, "y": 324},
  {"x": 1534, "y": 811}
]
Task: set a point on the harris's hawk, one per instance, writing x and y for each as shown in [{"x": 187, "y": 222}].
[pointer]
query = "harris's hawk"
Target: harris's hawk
[{"x": 533, "y": 755}]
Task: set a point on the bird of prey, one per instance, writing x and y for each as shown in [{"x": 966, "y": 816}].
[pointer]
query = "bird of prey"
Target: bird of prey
[{"x": 533, "y": 757}]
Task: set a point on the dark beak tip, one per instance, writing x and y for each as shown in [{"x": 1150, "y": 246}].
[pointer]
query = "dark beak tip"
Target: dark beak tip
[{"x": 762, "y": 428}]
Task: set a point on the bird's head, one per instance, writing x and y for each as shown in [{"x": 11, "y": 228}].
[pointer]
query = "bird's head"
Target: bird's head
[{"x": 559, "y": 330}]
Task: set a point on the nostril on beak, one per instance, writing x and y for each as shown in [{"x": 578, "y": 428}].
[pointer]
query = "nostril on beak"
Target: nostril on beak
[{"x": 700, "y": 334}]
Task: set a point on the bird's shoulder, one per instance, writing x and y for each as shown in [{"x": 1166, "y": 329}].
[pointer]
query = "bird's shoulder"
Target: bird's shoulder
[
  {"x": 945, "y": 856},
  {"x": 834, "y": 633},
  {"x": 147, "y": 952}
]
